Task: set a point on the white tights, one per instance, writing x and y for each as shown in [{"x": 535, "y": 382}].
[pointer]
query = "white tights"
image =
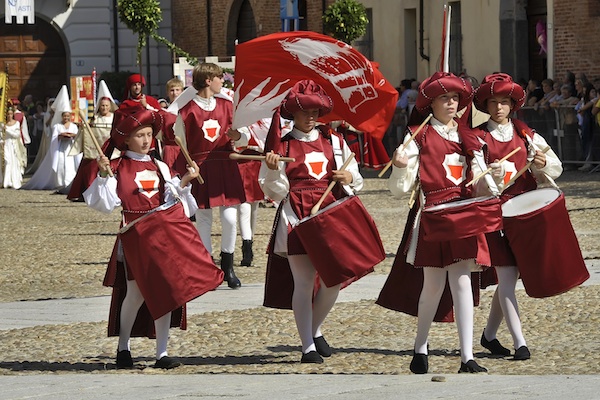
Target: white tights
[
  {"x": 204, "y": 219},
  {"x": 129, "y": 309},
  {"x": 434, "y": 281},
  {"x": 504, "y": 305},
  {"x": 308, "y": 312},
  {"x": 248, "y": 214}
]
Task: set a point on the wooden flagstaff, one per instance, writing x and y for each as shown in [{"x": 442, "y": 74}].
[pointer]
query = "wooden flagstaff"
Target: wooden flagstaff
[{"x": 238, "y": 156}]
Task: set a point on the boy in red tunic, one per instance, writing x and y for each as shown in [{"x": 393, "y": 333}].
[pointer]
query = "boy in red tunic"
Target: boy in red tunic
[
  {"x": 207, "y": 120},
  {"x": 319, "y": 152},
  {"x": 159, "y": 262},
  {"x": 435, "y": 164}
]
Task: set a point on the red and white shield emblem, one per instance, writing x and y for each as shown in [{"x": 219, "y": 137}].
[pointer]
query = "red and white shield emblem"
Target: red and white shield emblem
[
  {"x": 211, "y": 129},
  {"x": 510, "y": 170},
  {"x": 147, "y": 182},
  {"x": 316, "y": 163},
  {"x": 454, "y": 164}
]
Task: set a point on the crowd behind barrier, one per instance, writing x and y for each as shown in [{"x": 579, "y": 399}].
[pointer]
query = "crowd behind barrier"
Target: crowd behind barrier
[{"x": 560, "y": 128}]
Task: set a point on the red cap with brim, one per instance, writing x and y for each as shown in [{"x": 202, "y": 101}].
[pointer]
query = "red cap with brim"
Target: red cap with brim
[
  {"x": 439, "y": 84},
  {"x": 500, "y": 85},
  {"x": 127, "y": 123},
  {"x": 306, "y": 95}
]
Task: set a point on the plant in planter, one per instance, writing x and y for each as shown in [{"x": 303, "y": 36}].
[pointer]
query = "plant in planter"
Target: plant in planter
[{"x": 345, "y": 20}]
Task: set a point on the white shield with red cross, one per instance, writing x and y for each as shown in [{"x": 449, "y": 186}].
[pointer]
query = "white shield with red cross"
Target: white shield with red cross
[
  {"x": 147, "y": 182},
  {"x": 510, "y": 170},
  {"x": 211, "y": 129},
  {"x": 316, "y": 163},
  {"x": 454, "y": 164}
]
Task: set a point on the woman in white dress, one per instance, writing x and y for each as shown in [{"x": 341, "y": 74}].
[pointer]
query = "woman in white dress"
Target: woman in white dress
[{"x": 14, "y": 153}]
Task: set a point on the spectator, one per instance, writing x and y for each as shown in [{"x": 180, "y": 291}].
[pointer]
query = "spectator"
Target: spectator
[
  {"x": 534, "y": 92},
  {"x": 586, "y": 123},
  {"x": 549, "y": 94},
  {"x": 566, "y": 97},
  {"x": 174, "y": 88}
]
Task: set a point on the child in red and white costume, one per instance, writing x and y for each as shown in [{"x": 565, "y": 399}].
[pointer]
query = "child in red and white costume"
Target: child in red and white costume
[
  {"x": 438, "y": 159},
  {"x": 210, "y": 140},
  {"x": 500, "y": 97},
  {"x": 298, "y": 187},
  {"x": 165, "y": 266}
]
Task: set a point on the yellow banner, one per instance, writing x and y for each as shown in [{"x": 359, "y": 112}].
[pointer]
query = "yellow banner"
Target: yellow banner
[{"x": 3, "y": 93}]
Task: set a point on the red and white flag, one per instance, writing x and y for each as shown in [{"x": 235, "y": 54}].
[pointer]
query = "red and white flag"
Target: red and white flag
[{"x": 268, "y": 66}]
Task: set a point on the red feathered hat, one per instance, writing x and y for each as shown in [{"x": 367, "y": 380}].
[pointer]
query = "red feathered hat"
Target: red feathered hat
[
  {"x": 499, "y": 85},
  {"x": 131, "y": 122},
  {"x": 441, "y": 83},
  {"x": 306, "y": 95}
]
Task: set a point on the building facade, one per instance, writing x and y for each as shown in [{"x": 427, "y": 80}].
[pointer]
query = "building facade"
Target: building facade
[
  {"x": 71, "y": 38},
  {"x": 404, "y": 36}
]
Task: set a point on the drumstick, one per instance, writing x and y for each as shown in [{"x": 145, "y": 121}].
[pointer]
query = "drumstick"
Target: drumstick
[
  {"x": 413, "y": 194},
  {"x": 316, "y": 207},
  {"x": 389, "y": 164},
  {"x": 506, "y": 157},
  {"x": 187, "y": 157},
  {"x": 238, "y": 156},
  {"x": 522, "y": 170},
  {"x": 94, "y": 140}
]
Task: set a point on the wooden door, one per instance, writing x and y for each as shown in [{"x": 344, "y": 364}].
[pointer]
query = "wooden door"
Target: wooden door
[{"x": 34, "y": 58}]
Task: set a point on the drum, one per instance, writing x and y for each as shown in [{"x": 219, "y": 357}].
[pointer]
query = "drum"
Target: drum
[
  {"x": 341, "y": 241},
  {"x": 461, "y": 219},
  {"x": 542, "y": 239},
  {"x": 168, "y": 260}
]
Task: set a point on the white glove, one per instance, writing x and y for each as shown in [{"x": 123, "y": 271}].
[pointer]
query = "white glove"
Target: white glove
[{"x": 497, "y": 170}]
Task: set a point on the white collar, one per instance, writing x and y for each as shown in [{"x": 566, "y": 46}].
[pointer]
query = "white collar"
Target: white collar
[
  {"x": 445, "y": 131},
  {"x": 502, "y": 133},
  {"x": 305, "y": 137},
  {"x": 137, "y": 156},
  {"x": 207, "y": 104}
]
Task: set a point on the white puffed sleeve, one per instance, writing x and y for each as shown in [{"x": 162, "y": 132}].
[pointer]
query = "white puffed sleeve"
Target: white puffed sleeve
[
  {"x": 183, "y": 193},
  {"x": 274, "y": 183},
  {"x": 553, "y": 167},
  {"x": 402, "y": 180},
  {"x": 102, "y": 194}
]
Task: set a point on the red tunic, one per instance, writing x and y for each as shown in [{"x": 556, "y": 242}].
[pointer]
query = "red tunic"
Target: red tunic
[
  {"x": 209, "y": 145},
  {"x": 163, "y": 251},
  {"x": 443, "y": 172}
]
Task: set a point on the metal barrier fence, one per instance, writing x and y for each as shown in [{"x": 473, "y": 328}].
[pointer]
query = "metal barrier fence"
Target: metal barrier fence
[{"x": 560, "y": 127}]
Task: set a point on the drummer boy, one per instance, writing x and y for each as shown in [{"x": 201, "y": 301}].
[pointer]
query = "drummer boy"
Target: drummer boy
[
  {"x": 435, "y": 165},
  {"x": 149, "y": 289},
  {"x": 500, "y": 97},
  {"x": 297, "y": 186}
]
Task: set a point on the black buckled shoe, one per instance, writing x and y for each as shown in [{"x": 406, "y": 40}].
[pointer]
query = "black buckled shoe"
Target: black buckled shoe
[
  {"x": 471, "y": 367},
  {"x": 322, "y": 346},
  {"x": 124, "y": 359},
  {"x": 522, "y": 353},
  {"x": 167, "y": 362},
  {"x": 311, "y": 357},
  {"x": 494, "y": 346},
  {"x": 419, "y": 364}
]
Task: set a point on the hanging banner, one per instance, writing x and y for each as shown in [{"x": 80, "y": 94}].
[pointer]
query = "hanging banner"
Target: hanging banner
[
  {"x": 3, "y": 95},
  {"x": 82, "y": 96},
  {"x": 19, "y": 9}
]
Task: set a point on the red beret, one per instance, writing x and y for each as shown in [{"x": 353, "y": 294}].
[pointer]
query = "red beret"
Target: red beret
[
  {"x": 306, "y": 95},
  {"x": 127, "y": 123},
  {"x": 439, "y": 84},
  {"x": 135, "y": 78},
  {"x": 499, "y": 85}
]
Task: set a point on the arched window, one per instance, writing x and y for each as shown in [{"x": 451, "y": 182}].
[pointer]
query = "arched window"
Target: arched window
[{"x": 241, "y": 25}]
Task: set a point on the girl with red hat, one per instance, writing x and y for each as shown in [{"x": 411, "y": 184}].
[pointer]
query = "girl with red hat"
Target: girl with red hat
[
  {"x": 500, "y": 97},
  {"x": 435, "y": 164},
  {"x": 298, "y": 186},
  {"x": 159, "y": 262}
]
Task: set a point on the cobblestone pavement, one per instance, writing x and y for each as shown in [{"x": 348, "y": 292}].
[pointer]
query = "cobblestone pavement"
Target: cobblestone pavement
[{"x": 55, "y": 249}]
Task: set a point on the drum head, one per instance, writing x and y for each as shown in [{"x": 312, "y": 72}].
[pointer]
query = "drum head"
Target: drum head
[{"x": 529, "y": 202}]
